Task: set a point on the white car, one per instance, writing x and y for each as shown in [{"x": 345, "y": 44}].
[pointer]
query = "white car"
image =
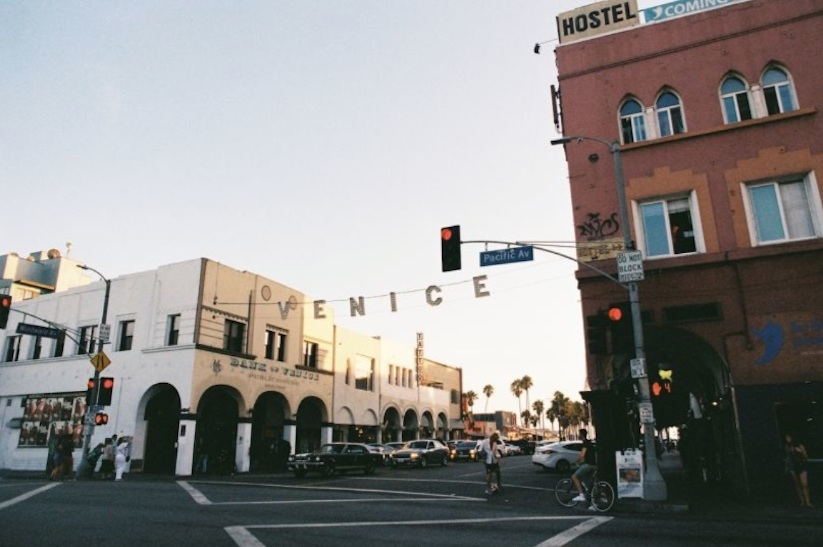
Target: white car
[{"x": 560, "y": 456}]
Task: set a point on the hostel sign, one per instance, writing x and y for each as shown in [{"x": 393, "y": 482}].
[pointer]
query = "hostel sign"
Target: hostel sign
[{"x": 596, "y": 19}]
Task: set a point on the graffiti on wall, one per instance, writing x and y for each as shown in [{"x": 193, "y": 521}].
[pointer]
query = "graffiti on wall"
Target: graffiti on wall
[{"x": 600, "y": 238}]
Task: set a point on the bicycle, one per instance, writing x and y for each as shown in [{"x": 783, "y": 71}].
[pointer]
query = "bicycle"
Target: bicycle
[{"x": 600, "y": 493}]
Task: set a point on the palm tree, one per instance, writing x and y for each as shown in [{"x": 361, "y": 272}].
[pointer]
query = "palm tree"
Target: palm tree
[
  {"x": 526, "y": 416},
  {"x": 517, "y": 390},
  {"x": 558, "y": 411},
  {"x": 526, "y": 384},
  {"x": 488, "y": 389},
  {"x": 537, "y": 406},
  {"x": 470, "y": 397}
]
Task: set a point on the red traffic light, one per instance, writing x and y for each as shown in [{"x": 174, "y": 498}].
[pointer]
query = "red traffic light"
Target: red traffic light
[
  {"x": 108, "y": 383},
  {"x": 615, "y": 314},
  {"x": 101, "y": 418},
  {"x": 450, "y": 248},
  {"x": 5, "y": 308}
]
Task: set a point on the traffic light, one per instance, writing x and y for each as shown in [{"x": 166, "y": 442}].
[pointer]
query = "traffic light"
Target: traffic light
[
  {"x": 5, "y": 308},
  {"x": 596, "y": 334},
  {"x": 105, "y": 391},
  {"x": 101, "y": 418},
  {"x": 450, "y": 248},
  {"x": 620, "y": 322},
  {"x": 90, "y": 392}
]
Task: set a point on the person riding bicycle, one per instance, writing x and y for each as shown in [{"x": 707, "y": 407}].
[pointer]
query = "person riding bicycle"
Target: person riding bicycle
[{"x": 587, "y": 464}]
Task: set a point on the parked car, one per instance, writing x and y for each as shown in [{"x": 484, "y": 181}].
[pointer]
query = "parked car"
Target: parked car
[
  {"x": 526, "y": 446},
  {"x": 421, "y": 452},
  {"x": 392, "y": 446},
  {"x": 336, "y": 458},
  {"x": 463, "y": 451},
  {"x": 510, "y": 448},
  {"x": 383, "y": 450},
  {"x": 559, "y": 456}
]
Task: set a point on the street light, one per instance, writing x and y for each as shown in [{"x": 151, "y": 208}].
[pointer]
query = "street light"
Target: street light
[
  {"x": 88, "y": 426},
  {"x": 654, "y": 487}
]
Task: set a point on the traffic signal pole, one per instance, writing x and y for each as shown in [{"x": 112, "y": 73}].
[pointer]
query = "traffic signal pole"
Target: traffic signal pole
[
  {"x": 654, "y": 487},
  {"x": 88, "y": 426}
]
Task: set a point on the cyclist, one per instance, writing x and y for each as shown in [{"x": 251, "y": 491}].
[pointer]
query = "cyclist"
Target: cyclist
[{"x": 587, "y": 464}]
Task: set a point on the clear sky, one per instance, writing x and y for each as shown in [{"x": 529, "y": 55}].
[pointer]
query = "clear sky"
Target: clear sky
[{"x": 322, "y": 144}]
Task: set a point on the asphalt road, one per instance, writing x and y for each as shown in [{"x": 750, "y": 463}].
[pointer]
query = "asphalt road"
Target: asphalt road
[{"x": 437, "y": 505}]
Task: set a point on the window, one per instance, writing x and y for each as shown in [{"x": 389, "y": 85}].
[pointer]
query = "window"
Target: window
[
  {"x": 233, "y": 333},
  {"x": 60, "y": 344},
  {"x": 173, "y": 330},
  {"x": 310, "y": 354},
  {"x": 777, "y": 90},
  {"x": 86, "y": 344},
  {"x": 669, "y": 114},
  {"x": 363, "y": 372},
  {"x": 391, "y": 373},
  {"x": 37, "y": 349},
  {"x": 632, "y": 123},
  {"x": 12, "y": 348},
  {"x": 734, "y": 95},
  {"x": 783, "y": 211},
  {"x": 276, "y": 345},
  {"x": 126, "y": 335},
  {"x": 667, "y": 227}
]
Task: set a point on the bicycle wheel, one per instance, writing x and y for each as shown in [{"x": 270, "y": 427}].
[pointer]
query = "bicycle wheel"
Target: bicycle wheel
[
  {"x": 565, "y": 492},
  {"x": 602, "y": 496}
]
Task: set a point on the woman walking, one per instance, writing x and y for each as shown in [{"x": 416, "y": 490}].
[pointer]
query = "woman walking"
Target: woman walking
[{"x": 796, "y": 466}]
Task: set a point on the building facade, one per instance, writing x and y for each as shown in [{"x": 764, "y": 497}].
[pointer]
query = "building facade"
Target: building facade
[
  {"x": 213, "y": 368},
  {"x": 715, "y": 110}
]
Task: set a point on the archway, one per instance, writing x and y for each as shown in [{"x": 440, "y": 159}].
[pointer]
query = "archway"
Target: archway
[
  {"x": 310, "y": 417},
  {"x": 162, "y": 416},
  {"x": 217, "y": 417},
  {"x": 391, "y": 426},
  {"x": 268, "y": 451},
  {"x": 410, "y": 426}
]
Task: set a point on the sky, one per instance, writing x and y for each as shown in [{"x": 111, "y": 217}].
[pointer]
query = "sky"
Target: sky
[{"x": 321, "y": 144}]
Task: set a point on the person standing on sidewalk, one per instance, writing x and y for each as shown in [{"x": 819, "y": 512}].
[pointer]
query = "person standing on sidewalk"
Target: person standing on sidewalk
[{"x": 796, "y": 466}]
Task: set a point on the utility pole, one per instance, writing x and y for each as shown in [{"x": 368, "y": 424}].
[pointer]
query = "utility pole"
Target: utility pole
[{"x": 654, "y": 487}]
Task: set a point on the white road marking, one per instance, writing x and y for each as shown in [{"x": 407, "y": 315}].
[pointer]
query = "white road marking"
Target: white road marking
[
  {"x": 27, "y": 495},
  {"x": 194, "y": 493},
  {"x": 575, "y": 532}
]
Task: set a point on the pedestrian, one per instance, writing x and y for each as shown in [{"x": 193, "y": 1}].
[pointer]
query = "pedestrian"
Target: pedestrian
[
  {"x": 492, "y": 455},
  {"x": 121, "y": 457},
  {"x": 93, "y": 457},
  {"x": 796, "y": 459},
  {"x": 107, "y": 460},
  {"x": 57, "y": 462},
  {"x": 68, "y": 456}
]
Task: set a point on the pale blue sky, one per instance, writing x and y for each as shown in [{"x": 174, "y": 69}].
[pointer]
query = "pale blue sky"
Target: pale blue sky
[{"x": 319, "y": 143}]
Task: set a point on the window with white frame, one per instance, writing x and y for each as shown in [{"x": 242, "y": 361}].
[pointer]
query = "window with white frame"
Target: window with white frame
[
  {"x": 12, "y": 348},
  {"x": 669, "y": 114},
  {"x": 667, "y": 227},
  {"x": 37, "y": 348},
  {"x": 86, "y": 343},
  {"x": 173, "y": 330},
  {"x": 363, "y": 372},
  {"x": 778, "y": 91},
  {"x": 310, "y": 350},
  {"x": 275, "y": 344},
  {"x": 783, "y": 210},
  {"x": 632, "y": 122},
  {"x": 734, "y": 96},
  {"x": 126, "y": 335}
]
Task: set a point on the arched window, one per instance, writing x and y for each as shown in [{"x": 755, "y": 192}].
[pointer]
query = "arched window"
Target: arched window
[
  {"x": 778, "y": 92},
  {"x": 669, "y": 114},
  {"x": 632, "y": 124},
  {"x": 734, "y": 95}
]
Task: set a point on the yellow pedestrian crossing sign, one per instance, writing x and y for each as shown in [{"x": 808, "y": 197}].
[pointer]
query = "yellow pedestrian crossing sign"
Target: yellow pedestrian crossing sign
[{"x": 100, "y": 361}]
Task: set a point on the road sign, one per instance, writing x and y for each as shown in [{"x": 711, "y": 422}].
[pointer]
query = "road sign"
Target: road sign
[
  {"x": 100, "y": 361},
  {"x": 638, "y": 367},
  {"x": 630, "y": 266},
  {"x": 105, "y": 332},
  {"x": 38, "y": 330},
  {"x": 507, "y": 256},
  {"x": 646, "y": 413}
]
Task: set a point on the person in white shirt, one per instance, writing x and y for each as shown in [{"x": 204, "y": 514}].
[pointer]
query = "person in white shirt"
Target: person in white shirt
[{"x": 492, "y": 451}]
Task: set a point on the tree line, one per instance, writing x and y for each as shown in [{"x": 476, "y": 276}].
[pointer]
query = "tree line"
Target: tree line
[{"x": 566, "y": 413}]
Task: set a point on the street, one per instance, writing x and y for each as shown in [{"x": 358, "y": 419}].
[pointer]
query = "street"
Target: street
[{"x": 398, "y": 507}]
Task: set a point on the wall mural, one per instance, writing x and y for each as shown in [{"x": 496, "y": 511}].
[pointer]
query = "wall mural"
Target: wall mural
[
  {"x": 802, "y": 336},
  {"x": 602, "y": 238}
]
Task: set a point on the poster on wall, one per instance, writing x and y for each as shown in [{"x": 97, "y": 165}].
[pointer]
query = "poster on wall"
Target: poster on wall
[
  {"x": 47, "y": 417},
  {"x": 629, "y": 474}
]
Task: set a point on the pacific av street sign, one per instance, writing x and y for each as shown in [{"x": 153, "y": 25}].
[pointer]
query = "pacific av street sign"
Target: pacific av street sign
[
  {"x": 38, "y": 330},
  {"x": 507, "y": 256}
]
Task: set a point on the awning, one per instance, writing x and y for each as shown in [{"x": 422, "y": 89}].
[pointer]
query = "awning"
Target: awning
[{"x": 456, "y": 423}]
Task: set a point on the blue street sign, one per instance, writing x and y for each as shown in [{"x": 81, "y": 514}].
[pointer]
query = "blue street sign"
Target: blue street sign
[{"x": 507, "y": 256}]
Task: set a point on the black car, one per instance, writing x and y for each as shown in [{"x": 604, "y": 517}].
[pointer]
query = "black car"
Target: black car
[
  {"x": 421, "y": 452},
  {"x": 463, "y": 451},
  {"x": 336, "y": 458}
]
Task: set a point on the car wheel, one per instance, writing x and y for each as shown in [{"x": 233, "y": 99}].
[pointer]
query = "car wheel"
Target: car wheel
[
  {"x": 424, "y": 462},
  {"x": 369, "y": 469},
  {"x": 299, "y": 473},
  {"x": 445, "y": 461},
  {"x": 328, "y": 471},
  {"x": 562, "y": 466}
]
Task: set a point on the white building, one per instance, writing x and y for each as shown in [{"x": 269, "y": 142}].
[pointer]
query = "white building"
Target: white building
[{"x": 206, "y": 360}]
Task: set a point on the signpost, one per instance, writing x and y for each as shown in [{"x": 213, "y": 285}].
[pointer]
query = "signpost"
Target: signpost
[
  {"x": 38, "y": 330},
  {"x": 100, "y": 361},
  {"x": 630, "y": 266},
  {"x": 507, "y": 256}
]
